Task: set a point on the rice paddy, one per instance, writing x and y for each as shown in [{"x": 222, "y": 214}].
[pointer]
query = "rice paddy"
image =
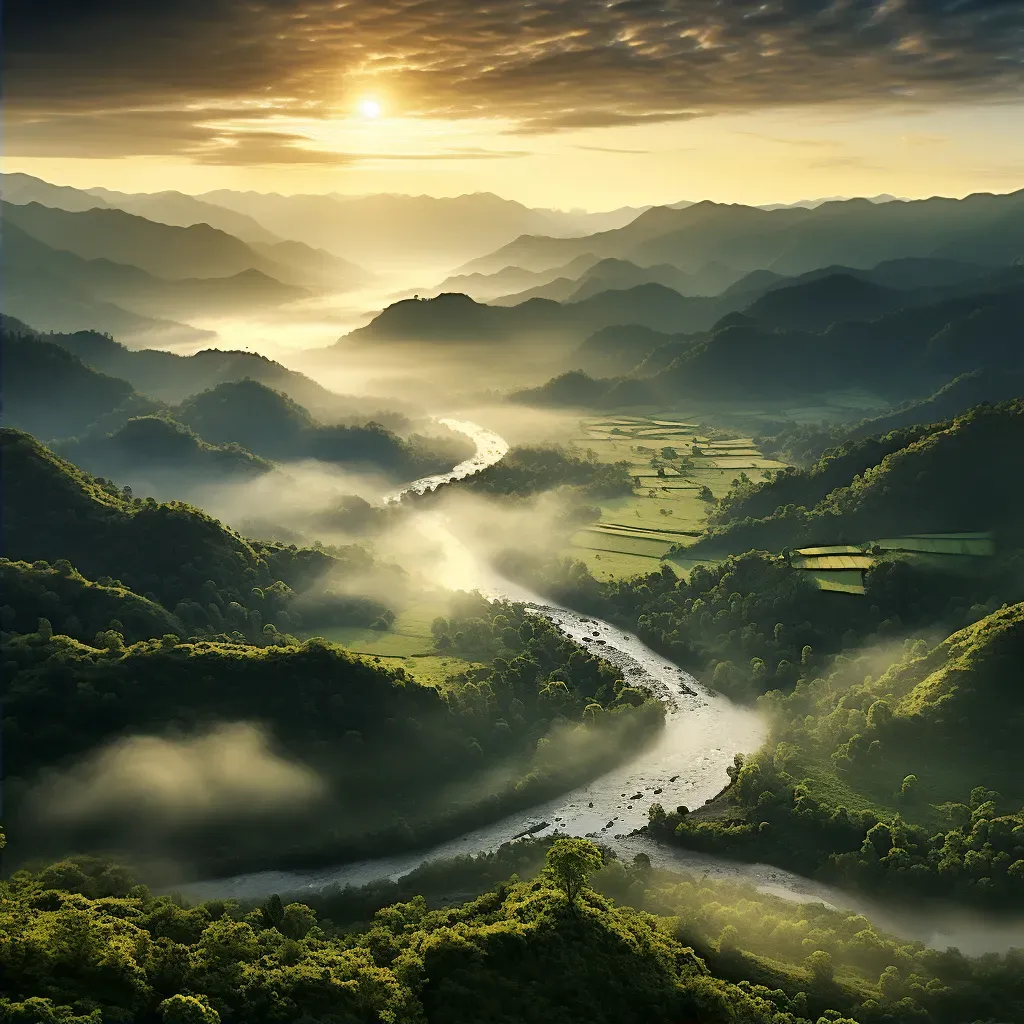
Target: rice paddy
[
  {"x": 841, "y": 567},
  {"x": 671, "y": 461}
]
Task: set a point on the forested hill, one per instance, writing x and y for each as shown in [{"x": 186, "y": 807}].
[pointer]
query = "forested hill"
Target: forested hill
[
  {"x": 166, "y": 455},
  {"x": 910, "y": 782},
  {"x": 51, "y": 393},
  {"x": 942, "y": 478},
  {"x": 108, "y": 427},
  {"x": 582, "y": 937},
  {"x": 171, "y": 553},
  {"x": 270, "y": 424},
  {"x": 172, "y": 378},
  {"x": 53, "y": 511}
]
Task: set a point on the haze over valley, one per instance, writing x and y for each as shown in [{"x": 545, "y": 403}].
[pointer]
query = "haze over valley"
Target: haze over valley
[{"x": 512, "y": 514}]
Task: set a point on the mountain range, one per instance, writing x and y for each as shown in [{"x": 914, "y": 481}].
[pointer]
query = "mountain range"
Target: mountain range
[{"x": 982, "y": 228}]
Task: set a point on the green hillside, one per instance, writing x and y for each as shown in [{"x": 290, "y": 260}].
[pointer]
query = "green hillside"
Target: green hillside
[
  {"x": 945, "y": 481},
  {"x": 75, "y": 606},
  {"x": 180, "y": 555},
  {"x": 270, "y": 424},
  {"x": 154, "y": 448},
  {"x": 51, "y": 393},
  {"x": 906, "y": 781}
]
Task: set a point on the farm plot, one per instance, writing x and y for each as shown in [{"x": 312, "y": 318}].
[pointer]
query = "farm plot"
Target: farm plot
[
  {"x": 841, "y": 567},
  {"x": 635, "y": 531}
]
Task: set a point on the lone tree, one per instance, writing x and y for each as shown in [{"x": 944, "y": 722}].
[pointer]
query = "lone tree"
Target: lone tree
[{"x": 569, "y": 861}]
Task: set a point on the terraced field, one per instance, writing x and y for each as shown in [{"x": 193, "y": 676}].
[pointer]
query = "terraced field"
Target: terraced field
[
  {"x": 841, "y": 567},
  {"x": 670, "y": 461}
]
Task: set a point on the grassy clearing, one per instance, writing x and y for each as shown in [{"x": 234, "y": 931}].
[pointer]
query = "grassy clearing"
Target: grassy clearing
[
  {"x": 408, "y": 636},
  {"x": 409, "y": 644}
]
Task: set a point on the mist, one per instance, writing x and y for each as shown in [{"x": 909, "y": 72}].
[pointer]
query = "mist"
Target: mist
[{"x": 163, "y": 782}]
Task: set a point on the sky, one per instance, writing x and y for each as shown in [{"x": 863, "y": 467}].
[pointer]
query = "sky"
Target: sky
[{"x": 562, "y": 103}]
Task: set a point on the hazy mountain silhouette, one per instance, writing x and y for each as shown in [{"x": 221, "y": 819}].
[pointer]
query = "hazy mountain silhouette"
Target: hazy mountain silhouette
[
  {"x": 456, "y": 318},
  {"x": 180, "y": 210},
  {"x": 405, "y": 229},
  {"x": 956, "y": 397},
  {"x": 982, "y": 228},
  {"x": 171, "y": 377},
  {"x": 134, "y": 288},
  {"x": 23, "y": 189},
  {"x": 60, "y": 291},
  {"x": 160, "y": 249},
  {"x": 615, "y": 350},
  {"x": 51, "y": 393},
  {"x": 816, "y": 304},
  {"x": 509, "y": 280},
  {"x": 904, "y": 354},
  {"x": 561, "y": 289}
]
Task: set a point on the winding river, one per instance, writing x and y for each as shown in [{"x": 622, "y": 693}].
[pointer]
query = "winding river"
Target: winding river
[{"x": 685, "y": 765}]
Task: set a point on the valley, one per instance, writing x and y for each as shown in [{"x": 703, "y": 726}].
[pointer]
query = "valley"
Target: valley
[{"x": 660, "y": 588}]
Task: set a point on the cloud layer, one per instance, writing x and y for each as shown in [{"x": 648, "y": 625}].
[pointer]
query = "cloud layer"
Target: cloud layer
[{"x": 115, "y": 78}]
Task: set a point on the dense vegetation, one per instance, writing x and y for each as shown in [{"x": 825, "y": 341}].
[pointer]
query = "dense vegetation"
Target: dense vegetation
[
  {"x": 164, "y": 453},
  {"x": 270, "y": 424},
  {"x": 528, "y": 469},
  {"x": 398, "y": 762},
  {"x": 212, "y": 580},
  {"x": 50, "y": 393},
  {"x": 228, "y": 430},
  {"x": 907, "y": 780},
  {"x": 84, "y": 943},
  {"x": 930, "y": 479}
]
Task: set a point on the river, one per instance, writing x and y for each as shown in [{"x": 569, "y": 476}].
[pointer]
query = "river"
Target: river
[{"x": 685, "y": 765}]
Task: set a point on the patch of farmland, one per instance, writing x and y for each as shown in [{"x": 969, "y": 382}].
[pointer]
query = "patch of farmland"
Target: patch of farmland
[
  {"x": 820, "y": 562},
  {"x": 980, "y": 546},
  {"x": 832, "y": 549},
  {"x": 650, "y": 547},
  {"x": 839, "y": 581}
]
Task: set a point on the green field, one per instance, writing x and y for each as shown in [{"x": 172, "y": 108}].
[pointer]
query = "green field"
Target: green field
[
  {"x": 635, "y": 531},
  {"x": 841, "y": 567},
  {"x": 408, "y": 644}
]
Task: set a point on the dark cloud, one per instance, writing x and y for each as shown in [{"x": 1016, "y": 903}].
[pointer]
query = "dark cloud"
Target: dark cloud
[{"x": 545, "y": 66}]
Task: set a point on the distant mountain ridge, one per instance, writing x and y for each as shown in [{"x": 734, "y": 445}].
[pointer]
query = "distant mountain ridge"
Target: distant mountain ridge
[
  {"x": 982, "y": 228},
  {"x": 400, "y": 228}
]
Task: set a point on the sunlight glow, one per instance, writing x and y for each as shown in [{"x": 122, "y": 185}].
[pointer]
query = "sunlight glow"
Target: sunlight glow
[{"x": 370, "y": 108}]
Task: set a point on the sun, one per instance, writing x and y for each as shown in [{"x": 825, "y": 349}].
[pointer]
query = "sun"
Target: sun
[{"x": 370, "y": 108}]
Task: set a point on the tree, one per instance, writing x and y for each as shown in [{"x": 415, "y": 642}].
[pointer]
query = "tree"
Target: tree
[
  {"x": 819, "y": 963},
  {"x": 569, "y": 862},
  {"x": 273, "y": 912},
  {"x": 181, "y": 1009},
  {"x": 908, "y": 789},
  {"x": 296, "y": 920}
]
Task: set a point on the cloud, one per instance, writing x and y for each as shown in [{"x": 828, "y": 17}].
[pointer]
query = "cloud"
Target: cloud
[
  {"x": 227, "y": 770},
  {"x": 547, "y": 66},
  {"x": 614, "y": 149},
  {"x": 801, "y": 143}
]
